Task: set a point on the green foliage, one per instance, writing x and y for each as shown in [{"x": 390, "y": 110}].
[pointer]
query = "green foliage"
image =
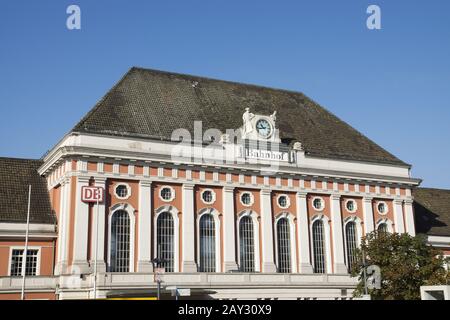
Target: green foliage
[{"x": 406, "y": 263}]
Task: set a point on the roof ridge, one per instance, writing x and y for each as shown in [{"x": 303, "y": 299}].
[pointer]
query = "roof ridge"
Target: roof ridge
[
  {"x": 218, "y": 80},
  {"x": 436, "y": 189},
  {"x": 19, "y": 159}
]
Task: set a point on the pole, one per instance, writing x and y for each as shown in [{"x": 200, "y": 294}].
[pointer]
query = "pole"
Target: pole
[
  {"x": 25, "y": 251},
  {"x": 364, "y": 272},
  {"x": 96, "y": 250},
  {"x": 158, "y": 294}
]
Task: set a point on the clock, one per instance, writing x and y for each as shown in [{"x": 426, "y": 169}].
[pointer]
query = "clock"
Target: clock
[{"x": 264, "y": 128}]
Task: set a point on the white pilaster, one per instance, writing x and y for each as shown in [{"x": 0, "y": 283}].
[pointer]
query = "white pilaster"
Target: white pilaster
[
  {"x": 268, "y": 264},
  {"x": 368, "y": 215},
  {"x": 337, "y": 234},
  {"x": 80, "y": 263},
  {"x": 144, "y": 224},
  {"x": 398, "y": 216},
  {"x": 229, "y": 240},
  {"x": 303, "y": 234},
  {"x": 63, "y": 221},
  {"x": 101, "y": 258},
  {"x": 188, "y": 229},
  {"x": 409, "y": 217}
]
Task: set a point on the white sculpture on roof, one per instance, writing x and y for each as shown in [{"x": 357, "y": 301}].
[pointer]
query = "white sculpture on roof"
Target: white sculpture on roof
[{"x": 247, "y": 118}]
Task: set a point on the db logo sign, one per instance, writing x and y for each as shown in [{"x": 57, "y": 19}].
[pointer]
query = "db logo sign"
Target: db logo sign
[{"x": 92, "y": 194}]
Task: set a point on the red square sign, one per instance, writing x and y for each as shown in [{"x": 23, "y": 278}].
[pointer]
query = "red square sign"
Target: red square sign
[{"x": 92, "y": 194}]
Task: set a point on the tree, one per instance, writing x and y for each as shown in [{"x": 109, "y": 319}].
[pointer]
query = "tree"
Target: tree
[{"x": 406, "y": 263}]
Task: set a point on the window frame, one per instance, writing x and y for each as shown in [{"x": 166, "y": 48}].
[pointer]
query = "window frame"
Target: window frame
[
  {"x": 176, "y": 225},
  {"x": 130, "y": 210},
  {"x": 385, "y": 205},
  {"x": 355, "y": 204},
  {"x": 118, "y": 184},
  {"x": 217, "y": 234},
  {"x": 172, "y": 193},
  {"x": 252, "y": 198},
  {"x": 256, "y": 238},
  {"x": 213, "y": 196},
  {"x": 292, "y": 239},
  {"x": 327, "y": 238},
  {"x": 358, "y": 235},
  {"x": 322, "y": 207},
  {"x": 288, "y": 201},
  {"x": 38, "y": 260}
]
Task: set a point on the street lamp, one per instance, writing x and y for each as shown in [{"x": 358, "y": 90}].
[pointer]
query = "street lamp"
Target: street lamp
[{"x": 157, "y": 262}]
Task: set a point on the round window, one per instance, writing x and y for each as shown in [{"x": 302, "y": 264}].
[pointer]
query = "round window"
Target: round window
[
  {"x": 166, "y": 193},
  {"x": 122, "y": 191},
  {"x": 318, "y": 203},
  {"x": 382, "y": 207},
  {"x": 350, "y": 205},
  {"x": 283, "y": 201},
  {"x": 208, "y": 196},
  {"x": 246, "y": 198}
]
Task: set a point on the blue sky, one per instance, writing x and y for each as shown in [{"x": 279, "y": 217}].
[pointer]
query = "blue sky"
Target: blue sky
[{"x": 393, "y": 84}]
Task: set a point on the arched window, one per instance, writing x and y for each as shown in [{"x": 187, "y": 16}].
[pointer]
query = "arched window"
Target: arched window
[
  {"x": 247, "y": 245},
  {"x": 207, "y": 233},
  {"x": 165, "y": 241},
  {"x": 283, "y": 246},
  {"x": 350, "y": 239},
  {"x": 318, "y": 246},
  {"x": 120, "y": 242},
  {"x": 382, "y": 228}
]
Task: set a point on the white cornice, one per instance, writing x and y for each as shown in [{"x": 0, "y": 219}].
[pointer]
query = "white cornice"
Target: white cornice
[
  {"x": 36, "y": 230},
  {"x": 439, "y": 241},
  {"x": 95, "y": 147}
]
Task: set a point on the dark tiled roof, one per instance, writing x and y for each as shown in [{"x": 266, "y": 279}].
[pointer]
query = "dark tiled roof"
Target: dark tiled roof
[
  {"x": 150, "y": 103},
  {"x": 432, "y": 211},
  {"x": 15, "y": 176}
]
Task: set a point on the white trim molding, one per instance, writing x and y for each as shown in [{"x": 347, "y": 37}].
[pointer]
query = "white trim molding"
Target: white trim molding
[
  {"x": 36, "y": 230},
  {"x": 439, "y": 241}
]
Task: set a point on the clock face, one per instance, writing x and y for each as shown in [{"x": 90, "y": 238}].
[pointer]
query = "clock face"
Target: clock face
[{"x": 263, "y": 127}]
